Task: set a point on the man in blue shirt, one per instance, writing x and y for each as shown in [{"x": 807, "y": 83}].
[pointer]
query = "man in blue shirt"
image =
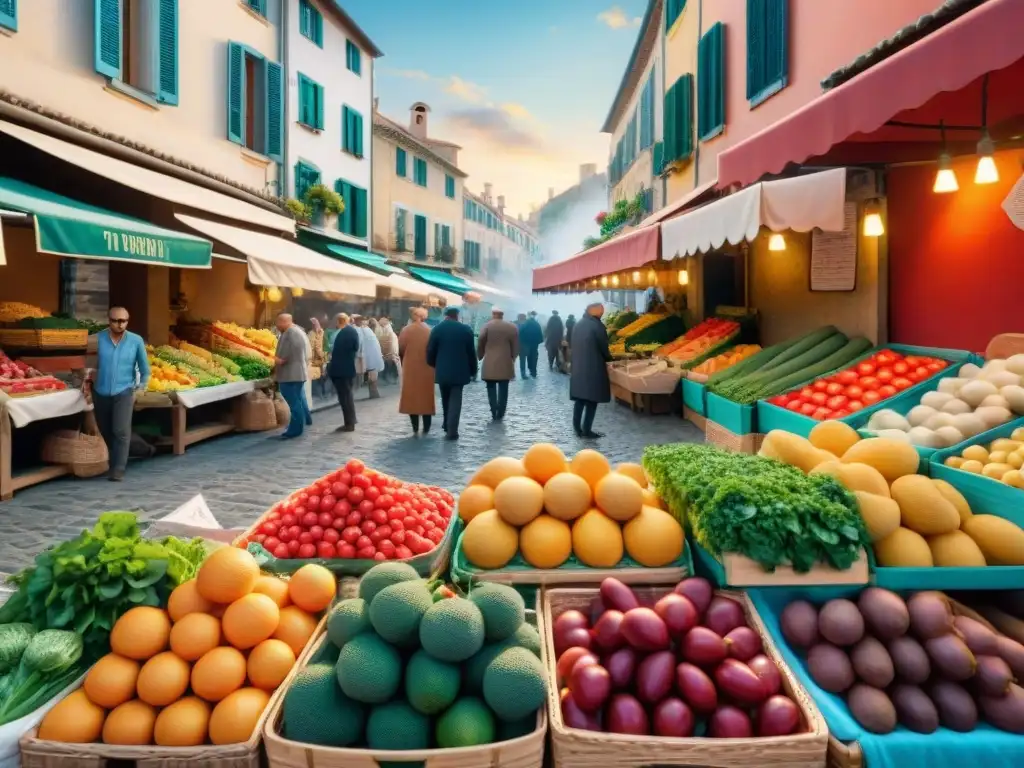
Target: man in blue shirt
[{"x": 122, "y": 369}]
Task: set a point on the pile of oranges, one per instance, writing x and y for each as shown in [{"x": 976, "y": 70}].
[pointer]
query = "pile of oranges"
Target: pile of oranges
[{"x": 203, "y": 670}]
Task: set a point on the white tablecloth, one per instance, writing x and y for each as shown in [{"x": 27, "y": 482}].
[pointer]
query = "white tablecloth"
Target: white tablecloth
[
  {"x": 25, "y": 410},
  {"x": 193, "y": 398}
]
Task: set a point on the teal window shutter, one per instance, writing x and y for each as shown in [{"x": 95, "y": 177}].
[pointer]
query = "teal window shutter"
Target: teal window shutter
[
  {"x": 357, "y": 127},
  {"x": 767, "y": 48},
  {"x": 318, "y": 94},
  {"x": 318, "y": 28},
  {"x": 306, "y": 176},
  {"x": 361, "y": 213},
  {"x": 401, "y": 162},
  {"x": 658, "y": 157},
  {"x": 342, "y": 187},
  {"x": 260, "y": 6},
  {"x": 107, "y": 31},
  {"x": 420, "y": 237},
  {"x": 346, "y": 129},
  {"x": 419, "y": 167},
  {"x": 275, "y": 110},
  {"x": 9, "y": 14},
  {"x": 437, "y": 238},
  {"x": 236, "y": 93},
  {"x": 303, "y": 99},
  {"x": 669, "y": 117},
  {"x": 311, "y": 23},
  {"x": 711, "y": 83},
  {"x": 167, "y": 57},
  {"x": 449, "y": 186},
  {"x": 682, "y": 146},
  {"x": 353, "y": 58},
  {"x": 672, "y": 10}
]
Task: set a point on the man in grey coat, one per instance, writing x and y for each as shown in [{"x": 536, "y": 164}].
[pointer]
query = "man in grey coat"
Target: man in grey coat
[
  {"x": 292, "y": 370},
  {"x": 498, "y": 347},
  {"x": 588, "y": 381}
]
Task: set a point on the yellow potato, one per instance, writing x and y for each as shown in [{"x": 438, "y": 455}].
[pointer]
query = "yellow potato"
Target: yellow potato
[
  {"x": 996, "y": 471},
  {"x": 1018, "y": 434},
  {"x": 954, "y": 461},
  {"x": 975, "y": 453},
  {"x": 1002, "y": 444},
  {"x": 972, "y": 466},
  {"x": 1014, "y": 478},
  {"x": 997, "y": 457},
  {"x": 1015, "y": 459}
]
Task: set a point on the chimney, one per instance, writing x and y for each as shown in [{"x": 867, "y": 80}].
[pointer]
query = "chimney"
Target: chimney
[
  {"x": 551, "y": 193},
  {"x": 587, "y": 170},
  {"x": 418, "y": 114},
  {"x": 487, "y": 192},
  {"x": 501, "y": 202},
  {"x": 376, "y": 103}
]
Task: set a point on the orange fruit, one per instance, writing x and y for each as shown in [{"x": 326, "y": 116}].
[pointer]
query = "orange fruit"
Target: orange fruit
[
  {"x": 474, "y": 500},
  {"x": 518, "y": 500},
  {"x": 250, "y": 620},
  {"x": 274, "y": 588},
  {"x": 496, "y": 470},
  {"x": 111, "y": 681},
  {"x": 651, "y": 499},
  {"x": 269, "y": 664},
  {"x": 218, "y": 673},
  {"x": 543, "y": 461},
  {"x": 234, "y": 719},
  {"x": 163, "y": 679},
  {"x": 567, "y": 496},
  {"x": 588, "y": 464},
  {"x": 130, "y": 724},
  {"x": 630, "y": 469},
  {"x": 295, "y": 627},
  {"x": 227, "y": 574},
  {"x": 185, "y": 599},
  {"x": 194, "y": 635},
  {"x": 141, "y": 633},
  {"x": 75, "y": 720},
  {"x": 183, "y": 724},
  {"x": 312, "y": 588},
  {"x": 619, "y": 496}
]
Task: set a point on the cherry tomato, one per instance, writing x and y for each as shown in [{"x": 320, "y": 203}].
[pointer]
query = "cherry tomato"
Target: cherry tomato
[
  {"x": 281, "y": 552},
  {"x": 913, "y": 360},
  {"x": 936, "y": 366},
  {"x": 293, "y": 547},
  {"x": 854, "y": 392},
  {"x": 402, "y": 552},
  {"x": 779, "y": 400},
  {"x": 794, "y": 405},
  {"x": 361, "y": 481},
  {"x": 871, "y": 397},
  {"x": 900, "y": 382},
  {"x": 821, "y": 414},
  {"x": 842, "y": 413},
  {"x": 305, "y": 537},
  {"x": 819, "y": 386},
  {"x": 351, "y": 534},
  {"x": 309, "y": 519},
  {"x": 285, "y": 535},
  {"x": 900, "y": 368},
  {"x": 313, "y": 503},
  {"x": 884, "y": 375},
  {"x": 914, "y": 377},
  {"x": 293, "y": 531},
  {"x": 269, "y": 528},
  {"x": 808, "y": 408},
  {"x": 854, "y": 405},
  {"x": 837, "y": 402},
  {"x": 339, "y": 490},
  {"x": 379, "y": 516},
  {"x": 436, "y": 534},
  {"x": 847, "y": 377},
  {"x": 398, "y": 537},
  {"x": 923, "y": 372},
  {"x": 384, "y": 501},
  {"x": 869, "y": 382},
  {"x": 388, "y": 549},
  {"x": 806, "y": 392},
  {"x": 354, "y": 518},
  {"x": 366, "y": 508},
  {"x": 819, "y": 398},
  {"x": 886, "y": 357},
  {"x": 372, "y": 493},
  {"x": 356, "y": 494},
  {"x": 833, "y": 389},
  {"x": 287, "y": 520},
  {"x": 271, "y": 543},
  {"x": 355, "y": 467},
  {"x": 346, "y": 551},
  {"x": 368, "y": 527},
  {"x": 331, "y": 535},
  {"x": 887, "y": 390},
  {"x": 317, "y": 532},
  {"x": 366, "y": 553},
  {"x": 325, "y": 549},
  {"x": 325, "y": 519},
  {"x": 866, "y": 369}
]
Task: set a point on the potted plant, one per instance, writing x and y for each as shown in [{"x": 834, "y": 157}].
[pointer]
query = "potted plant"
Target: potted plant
[
  {"x": 298, "y": 210},
  {"x": 323, "y": 202},
  {"x": 446, "y": 254}
]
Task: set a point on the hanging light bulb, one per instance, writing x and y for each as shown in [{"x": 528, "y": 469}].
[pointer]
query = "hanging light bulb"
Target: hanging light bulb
[
  {"x": 986, "y": 173},
  {"x": 684, "y": 277},
  {"x": 615, "y": 280},
  {"x": 776, "y": 242},
  {"x": 636, "y": 276},
  {"x": 873, "y": 226},
  {"x": 297, "y": 292},
  {"x": 652, "y": 277},
  {"x": 945, "y": 178},
  {"x": 274, "y": 294},
  {"x": 604, "y": 281}
]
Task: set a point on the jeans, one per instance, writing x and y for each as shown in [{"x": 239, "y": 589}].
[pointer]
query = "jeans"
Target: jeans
[
  {"x": 528, "y": 359},
  {"x": 294, "y": 393},
  {"x": 346, "y": 399},
  {"x": 497, "y": 396},
  {"x": 451, "y": 408},
  {"x": 583, "y": 412},
  {"x": 114, "y": 418},
  {"x": 427, "y": 418}
]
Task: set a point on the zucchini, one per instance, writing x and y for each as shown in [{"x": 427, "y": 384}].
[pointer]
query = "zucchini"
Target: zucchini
[
  {"x": 819, "y": 351},
  {"x": 751, "y": 364},
  {"x": 803, "y": 344},
  {"x": 839, "y": 359}
]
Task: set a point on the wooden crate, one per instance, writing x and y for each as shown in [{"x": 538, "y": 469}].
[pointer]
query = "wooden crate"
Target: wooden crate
[{"x": 718, "y": 435}]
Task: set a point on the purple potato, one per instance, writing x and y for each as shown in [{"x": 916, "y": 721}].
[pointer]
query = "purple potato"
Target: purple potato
[
  {"x": 696, "y": 687},
  {"x": 884, "y": 612},
  {"x": 840, "y": 622},
  {"x": 992, "y": 677},
  {"x": 765, "y": 668},
  {"x": 644, "y": 630},
  {"x": 800, "y": 624},
  {"x": 729, "y": 722},
  {"x": 930, "y": 615},
  {"x": 625, "y": 714},
  {"x": 1012, "y": 652},
  {"x": 872, "y": 663},
  {"x": 568, "y": 660},
  {"x": 777, "y": 716},
  {"x": 673, "y": 718},
  {"x": 597, "y": 609},
  {"x": 1005, "y": 712},
  {"x": 910, "y": 660},
  {"x": 871, "y": 708},
  {"x": 571, "y": 619},
  {"x": 979, "y": 638},
  {"x": 830, "y": 668},
  {"x": 951, "y": 657},
  {"x": 724, "y": 615},
  {"x": 698, "y": 591},
  {"x": 957, "y": 710},
  {"x": 914, "y": 709}
]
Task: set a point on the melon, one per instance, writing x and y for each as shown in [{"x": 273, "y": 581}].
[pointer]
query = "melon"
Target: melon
[
  {"x": 833, "y": 436},
  {"x": 519, "y": 500},
  {"x": 567, "y": 496},
  {"x": 590, "y": 465},
  {"x": 903, "y": 548},
  {"x": 488, "y": 541},
  {"x": 474, "y": 500},
  {"x": 652, "y": 499},
  {"x": 635, "y": 471},
  {"x": 545, "y": 542},
  {"x": 543, "y": 461},
  {"x": 597, "y": 540},
  {"x": 619, "y": 496},
  {"x": 494, "y": 471},
  {"x": 653, "y": 538}
]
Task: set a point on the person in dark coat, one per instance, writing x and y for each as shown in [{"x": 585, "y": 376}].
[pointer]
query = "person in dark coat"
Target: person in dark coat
[
  {"x": 553, "y": 336},
  {"x": 531, "y": 336},
  {"x": 451, "y": 352},
  {"x": 570, "y": 323},
  {"x": 342, "y": 370},
  {"x": 588, "y": 382}
]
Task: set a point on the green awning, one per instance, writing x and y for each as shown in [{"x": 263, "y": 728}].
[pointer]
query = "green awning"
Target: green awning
[
  {"x": 66, "y": 227},
  {"x": 441, "y": 280},
  {"x": 364, "y": 259}
]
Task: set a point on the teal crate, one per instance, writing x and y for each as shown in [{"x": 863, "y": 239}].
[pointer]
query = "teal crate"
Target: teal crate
[
  {"x": 694, "y": 397},
  {"x": 737, "y": 418},
  {"x": 771, "y": 417}
]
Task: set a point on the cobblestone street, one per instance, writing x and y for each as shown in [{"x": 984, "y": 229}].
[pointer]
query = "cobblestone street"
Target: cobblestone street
[{"x": 242, "y": 475}]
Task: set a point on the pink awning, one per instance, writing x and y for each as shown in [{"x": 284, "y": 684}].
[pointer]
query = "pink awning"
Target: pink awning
[
  {"x": 983, "y": 40},
  {"x": 624, "y": 252}
]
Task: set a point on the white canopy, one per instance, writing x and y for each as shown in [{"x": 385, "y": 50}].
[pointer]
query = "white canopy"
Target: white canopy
[
  {"x": 283, "y": 262},
  {"x": 406, "y": 286},
  {"x": 801, "y": 203}
]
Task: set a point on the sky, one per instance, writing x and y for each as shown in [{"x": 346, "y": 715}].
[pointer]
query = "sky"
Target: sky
[{"x": 523, "y": 87}]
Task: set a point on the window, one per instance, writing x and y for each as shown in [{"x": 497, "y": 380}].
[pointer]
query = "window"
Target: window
[
  {"x": 311, "y": 23},
  {"x": 658, "y": 158},
  {"x": 306, "y": 176},
  {"x": 352, "y": 221},
  {"x": 255, "y": 101},
  {"x": 443, "y": 242},
  {"x": 401, "y": 162},
  {"x": 260, "y": 6},
  {"x": 767, "y": 48},
  {"x": 647, "y": 114},
  {"x": 353, "y": 58},
  {"x": 629, "y": 149},
  {"x": 352, "y": 134},
  {"x": 311, "y": 103},
  {"x": 9, "y": 14},
  {"x": 401, "y": 217},
  {"x": 672, "y": 10},
  {"x": 420, "y": 237},
  {"x": 449, "y": 186},
  {"x": 471, "y": 254},
  {"x": 678, "y": 143},
  {"x": 711, "y": 83},
  {"x": 419, "y": 171},
  {"x": 136, "y": 44}
]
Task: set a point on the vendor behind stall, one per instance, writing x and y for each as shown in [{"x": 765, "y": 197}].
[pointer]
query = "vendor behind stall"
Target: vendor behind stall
[{"x": 121, "y": 370}]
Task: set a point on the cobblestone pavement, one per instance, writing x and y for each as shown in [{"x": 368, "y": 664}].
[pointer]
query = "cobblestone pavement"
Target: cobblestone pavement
[{"x": 242, "y": 475}]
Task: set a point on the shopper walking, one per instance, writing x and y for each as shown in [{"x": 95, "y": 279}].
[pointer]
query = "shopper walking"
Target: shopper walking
[
  {"x": 291, "y": 372},
  {"x": 570, "y": 323},
  {"x": 498, "y": 348},
  {"x": 588, "y": 381},
  {"x": 342, "y": 370},
  {"x": 452, "y": 355},
  {"x": 553, "y": 335},
  {"x": 417, "y": 397},
  {"x": 318, "y": 357},
  {"x": 531, "y": 336},
  {"x": 389, "y": 350},
  {"x": 371, "y": 361},
  {"x": 122, "y": 369}
]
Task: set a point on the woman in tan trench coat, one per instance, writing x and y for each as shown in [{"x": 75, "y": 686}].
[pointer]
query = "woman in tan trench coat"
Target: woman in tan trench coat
[{"x": 417, "y": 377}]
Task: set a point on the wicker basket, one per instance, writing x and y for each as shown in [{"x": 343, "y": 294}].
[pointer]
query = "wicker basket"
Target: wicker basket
[
  {"x": 574, "y": 748},
  {"x": 255, "y": 412},
  {"x": 44, "y": 338},
  {"x": 84, "y": 454},
  {"x": 718, "y": 435},
  {"x": 284, "y": 414}
]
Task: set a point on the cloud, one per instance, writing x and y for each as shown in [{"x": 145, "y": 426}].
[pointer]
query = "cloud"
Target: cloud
[
  {"x": 616, "y": 18},
  {"x": 465, "y": 90},
  {"x": 409, "y": 74},
  {"x": 516, "y": 110},
  {"x": 496, "y": 127}
]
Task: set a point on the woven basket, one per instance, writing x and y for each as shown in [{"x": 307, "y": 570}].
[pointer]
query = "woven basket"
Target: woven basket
[
  {"x": 718, "y": 435},
  {"x": 284, "y": 414},
  {"x": 574, "y": 748},
  {"x": 255, "y": 412},
  {"x": 84, "y": 454},
  {"x": 44, "y": 338}
]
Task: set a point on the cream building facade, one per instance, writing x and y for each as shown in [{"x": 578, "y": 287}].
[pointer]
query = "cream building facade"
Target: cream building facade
[
  {"x": 483, "y": 238},
  {"x": 417, "y": 192}
]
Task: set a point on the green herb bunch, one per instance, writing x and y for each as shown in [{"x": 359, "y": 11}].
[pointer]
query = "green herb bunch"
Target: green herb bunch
[{"x": 758, "y": 507}]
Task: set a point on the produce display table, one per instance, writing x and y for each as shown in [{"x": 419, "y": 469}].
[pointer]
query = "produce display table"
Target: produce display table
[
  {"x": 16, "y": 413},
  {"x": 182, "y": 435},
  {"x": 646, "y": 386}
]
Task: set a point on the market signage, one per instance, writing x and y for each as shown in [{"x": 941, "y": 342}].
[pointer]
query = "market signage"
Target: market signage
[{"x": 71, "y": 237}]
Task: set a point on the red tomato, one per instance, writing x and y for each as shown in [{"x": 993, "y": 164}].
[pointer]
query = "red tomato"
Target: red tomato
[
  {"x": 887, "y": 390},
  {"x": 269, "y": 528},
  {"x": 914, "y": 377},
  {"x": 313, "y": 503},
  {"x": 355, "y": 495},
  {"x": 325, "y": 549},
  {"x": 869, "y": 382},
  {"x": 884, "y": 375},
  {"x": 871, "y": 397},
  {"x": 327, "y": 503},
  {"x": 368, "y": 527},
  {"x": 271, "y": 543},
  {"x": 345, "y": 478},
  {"x": 779, "y": 400},
  {"x": 900, "y": 382},
  {"x": 935, "y": 367},
  {"x": 819, "y": 398},
  {"x": 351, "y": 534},
  {"x": 363, "y": 541},
  {"x": 866, "y": 369},
  {"x": 288, "y": 520},
  {"x": 303, "y": 497},
  {"x": 835, "y": 388},
  {"x": 294, "y": 532},
  {"x": 346, "y": 551},
  {"x": 379, "y": 516},
  {"x": 402, "y": 552},
  {"x": 886, "y": 357},
  {"x": 293, "y": 547},
  {"x": 842, "y": 413},
  {"x": 384, "y": 501},
  {"x": 808, "y": 408},
  {"x": 281, "y": 552},
  {"x": 806, "y": 393},
  {"x": 354, "y": 467},
  {"x": 305, "y": 537},
  {"x": 338, "y": 490},
  {"x": 847, "y": 377},
  {"x": 923, "y": 372},
  {"x": 366, "y": 553},
  {"x": 373, "y": 493},
  {"x": 837, "y": 402},
  {"x": 819, "y": 385},
  {"x": 361, "y": 481},
  {"x": 274, "y": 514},
  {"x": 436, "y": 534},
  {"x": 325, "y": 519},
  {"x": 854, "y": 392},
  {"x": 309, "y": 519},
  {"x": 794, "y": 405},
  {"x": 331, "y": 535},
  {"x": 900, "y": 368},
  {"x": 285, "y": 535},
  {"x": 855, "y": 405},
  {"x": 398, "y": 537},
  {"x": 913, "y": 360},
  {"x": 821, "y": 414},
  {"x": 366, "y": 507},
  {"x": 387, "y": 548}
]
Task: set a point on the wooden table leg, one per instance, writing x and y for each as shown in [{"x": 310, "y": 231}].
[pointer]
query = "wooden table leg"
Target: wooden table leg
[
  {"x": 6, "y": 483},
  {"x": 178, "y": 428}
]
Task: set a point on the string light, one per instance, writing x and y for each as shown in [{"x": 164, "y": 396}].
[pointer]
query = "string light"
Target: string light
[
  {"x": 776, "y": 242},
  {"x": 873, "y": 226},
  {"x": 945, "y": 178},
  {"x": 615, "y": 281},
  {"x": 604, "y": 281},
  {"x": 274, "y": 294},
  {"x": 986, "y": 172},
  {"x": 684, "y": 277},
  {"x": 297, "y": 292},
  {"x": 636, "y": 277}
]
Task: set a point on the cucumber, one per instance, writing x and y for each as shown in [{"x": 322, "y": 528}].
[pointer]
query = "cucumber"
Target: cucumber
[
  {"x": 836, "y": 361},
  {"x": 803, "y": 344}
]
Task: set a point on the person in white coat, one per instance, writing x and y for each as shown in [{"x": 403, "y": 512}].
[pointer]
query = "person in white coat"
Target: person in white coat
[{"x": 369, "y": 359}]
